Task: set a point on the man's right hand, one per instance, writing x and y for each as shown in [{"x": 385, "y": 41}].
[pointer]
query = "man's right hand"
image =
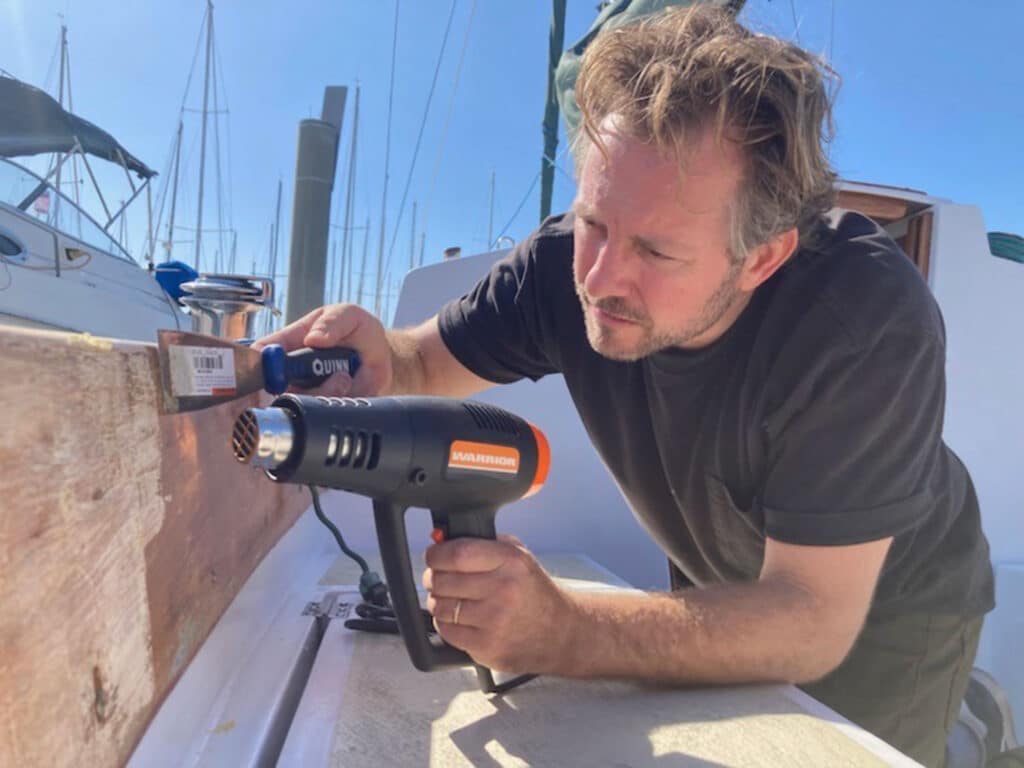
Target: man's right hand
[{"x": 343, "y": 325}]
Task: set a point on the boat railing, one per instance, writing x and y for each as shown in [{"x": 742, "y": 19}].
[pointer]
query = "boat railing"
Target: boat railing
[{"x": 26, "y": 191}]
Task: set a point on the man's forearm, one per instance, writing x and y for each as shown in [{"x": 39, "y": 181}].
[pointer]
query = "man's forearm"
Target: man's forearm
[
  {"x": 422, "y": 364},
  {"x": 408, "y": 373},
  {"x": 761, "y": 631}
]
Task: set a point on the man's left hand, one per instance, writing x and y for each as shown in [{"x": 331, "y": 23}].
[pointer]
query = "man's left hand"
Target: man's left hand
[{"x": 493, "y": 600}]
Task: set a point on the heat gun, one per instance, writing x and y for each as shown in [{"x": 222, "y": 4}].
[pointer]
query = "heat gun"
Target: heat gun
[{"x": 460, "y": 459}]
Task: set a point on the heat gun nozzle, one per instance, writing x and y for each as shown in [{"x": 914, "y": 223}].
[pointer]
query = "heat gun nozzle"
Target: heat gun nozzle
[{"x": 263, "y": 437}]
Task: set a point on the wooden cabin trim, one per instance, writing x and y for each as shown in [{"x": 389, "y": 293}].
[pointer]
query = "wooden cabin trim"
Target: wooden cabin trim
[
  {"x": 880, "y": 208},
  {"x": 125, "y": 534},
  {"x": 923, "y": 252}
]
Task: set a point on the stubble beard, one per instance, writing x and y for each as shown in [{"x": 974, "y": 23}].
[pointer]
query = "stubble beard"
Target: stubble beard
[{"x": 612, "y": 342}]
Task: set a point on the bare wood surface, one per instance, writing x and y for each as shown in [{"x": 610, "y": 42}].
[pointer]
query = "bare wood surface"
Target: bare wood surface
[{"x": 124, "y": 535}]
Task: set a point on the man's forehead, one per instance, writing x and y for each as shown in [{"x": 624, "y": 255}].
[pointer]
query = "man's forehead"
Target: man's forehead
[{"x": 700, "y": 178}]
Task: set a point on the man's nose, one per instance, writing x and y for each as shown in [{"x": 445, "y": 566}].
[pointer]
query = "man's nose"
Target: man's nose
[{"x": 607, "y": 274}]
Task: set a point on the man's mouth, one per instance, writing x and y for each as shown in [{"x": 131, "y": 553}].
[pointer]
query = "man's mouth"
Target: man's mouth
[{"x": 610, "y": 318}]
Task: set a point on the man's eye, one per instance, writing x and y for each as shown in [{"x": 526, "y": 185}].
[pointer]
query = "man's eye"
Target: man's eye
[{"x": 657, "y": 255}]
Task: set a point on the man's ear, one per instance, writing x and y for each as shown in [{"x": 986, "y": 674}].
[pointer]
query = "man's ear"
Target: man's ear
[{"x": 763, "y": 261}]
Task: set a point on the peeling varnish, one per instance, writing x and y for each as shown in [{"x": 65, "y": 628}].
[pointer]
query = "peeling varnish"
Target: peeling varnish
[{"x": 89, "y": 341}]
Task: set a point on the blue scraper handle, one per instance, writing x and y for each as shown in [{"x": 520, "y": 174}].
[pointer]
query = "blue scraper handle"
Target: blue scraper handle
[{"x": 305, "y": 368}]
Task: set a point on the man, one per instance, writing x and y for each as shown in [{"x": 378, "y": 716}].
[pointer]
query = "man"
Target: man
[{"x": 765, "y": 381}]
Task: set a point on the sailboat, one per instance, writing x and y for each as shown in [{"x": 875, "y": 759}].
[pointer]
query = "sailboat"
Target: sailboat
[{"x": 59, "y": 267}]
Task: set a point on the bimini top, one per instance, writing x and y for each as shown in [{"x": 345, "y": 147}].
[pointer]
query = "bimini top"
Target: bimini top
[{"x": 33, "y": 123}]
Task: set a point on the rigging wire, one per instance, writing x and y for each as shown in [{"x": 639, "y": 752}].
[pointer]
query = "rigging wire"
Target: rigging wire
[
  {"x": 387, "y": 163},
  {"x": 526, "y": 196},
  {"x": 796, "y": 24},
  {"x": 447, "y": 120},
  {"x": 419, "y": 137},
  {"x": 162, "y": 197},
  {"x": 192, "y": 70},
  {"x": 53, "y": 60}
]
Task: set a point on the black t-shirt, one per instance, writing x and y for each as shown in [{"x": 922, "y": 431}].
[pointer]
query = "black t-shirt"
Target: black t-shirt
[{"x": 815, "y": 419}]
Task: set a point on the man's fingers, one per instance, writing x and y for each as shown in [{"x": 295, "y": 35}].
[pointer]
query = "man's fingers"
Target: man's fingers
[
  {"x": 337, "y": 326},
  {"x": 337, "y": 385},
  {"x": 457, "y": 585},
  {"x": 342, "y": 325},
  {"x": 515, "y": 541},
  {"x": 293, "y": 335},
  {"x": 365, "y": 383},
  {"x": 457, "y": 611},
  {"x": 469, "y": 555}
]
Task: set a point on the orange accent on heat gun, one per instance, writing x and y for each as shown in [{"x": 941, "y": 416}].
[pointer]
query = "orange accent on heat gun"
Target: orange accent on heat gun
[{"x": 543, "y": 462}]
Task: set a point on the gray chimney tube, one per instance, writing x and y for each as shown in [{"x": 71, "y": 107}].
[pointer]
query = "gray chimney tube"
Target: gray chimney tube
[{"x": 311, "y": 206}]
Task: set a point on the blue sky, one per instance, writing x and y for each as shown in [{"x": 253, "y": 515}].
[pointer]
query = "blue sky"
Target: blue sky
[{"x": 931, "y": 99}]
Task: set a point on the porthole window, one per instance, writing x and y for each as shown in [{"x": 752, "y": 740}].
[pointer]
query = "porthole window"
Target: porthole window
[{"x": 9, "y": 246}]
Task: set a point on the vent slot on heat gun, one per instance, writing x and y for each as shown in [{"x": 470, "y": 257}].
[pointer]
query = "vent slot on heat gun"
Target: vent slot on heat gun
[
  {"x": 356, "y": 449},
  {"x": 493, "y": 419},
  {"x": 245, "y": 437}
]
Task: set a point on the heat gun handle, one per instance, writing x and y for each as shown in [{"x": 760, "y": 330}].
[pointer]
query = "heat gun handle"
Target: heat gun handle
[
  {"x": 473, "y": 524},
  {"x": 425, "y": 652},
  {"x": 477, "y": 524}
]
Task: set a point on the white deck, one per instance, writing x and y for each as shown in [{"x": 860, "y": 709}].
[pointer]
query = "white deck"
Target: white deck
[{"x": 246, "y": 699}]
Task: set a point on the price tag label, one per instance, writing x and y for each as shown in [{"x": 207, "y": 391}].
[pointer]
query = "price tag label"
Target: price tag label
[{"x": 202, "y": 371}]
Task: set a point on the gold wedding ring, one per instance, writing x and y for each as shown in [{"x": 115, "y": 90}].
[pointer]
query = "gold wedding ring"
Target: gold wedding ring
[{"x": 458, "y": 610}]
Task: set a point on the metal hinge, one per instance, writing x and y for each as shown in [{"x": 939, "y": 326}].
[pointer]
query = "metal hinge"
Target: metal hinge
[{"x": 331, "y": 606}]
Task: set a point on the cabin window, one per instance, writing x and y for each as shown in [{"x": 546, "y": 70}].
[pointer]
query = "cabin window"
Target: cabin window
[{"x": 9, "y": 246}]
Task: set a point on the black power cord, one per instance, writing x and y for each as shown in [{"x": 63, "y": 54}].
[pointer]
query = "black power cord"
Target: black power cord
[{"x": 371, "y": 587}]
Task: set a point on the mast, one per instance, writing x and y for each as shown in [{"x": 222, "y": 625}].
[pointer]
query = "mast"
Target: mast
[
  {"x": 490, "y": 217},
  {"x": 362, "y": 272},
  {"x": 547, "y": 163},
  {"x": 174, "y": 190},
  {"x": 387, "y": 161},
  {"x": 60, "y": 100},
  {"x": 277, "y": 234},
  {"x": 329, "y": 293},
  {"x": 71, "y": 108},
  {"x": 202, "y": 145},
  {"x": 267, "y": 316},
  {"x": 412, "y": 238},
  {"x": 345, "y": 289}
]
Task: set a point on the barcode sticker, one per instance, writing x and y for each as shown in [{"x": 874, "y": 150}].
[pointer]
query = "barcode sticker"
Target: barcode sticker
[{"x": 202, "y": 371}]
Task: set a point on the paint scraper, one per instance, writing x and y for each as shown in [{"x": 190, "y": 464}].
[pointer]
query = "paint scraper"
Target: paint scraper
[{"x": 199, "y": 371}]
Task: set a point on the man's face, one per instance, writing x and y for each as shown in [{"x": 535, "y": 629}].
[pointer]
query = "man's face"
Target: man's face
[{"x": 651, "y": 260}]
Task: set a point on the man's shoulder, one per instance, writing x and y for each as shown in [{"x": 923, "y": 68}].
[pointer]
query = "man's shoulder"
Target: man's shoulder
[
  {"x": 856, "y": 279},
  {"x": 554, "y": 233}
]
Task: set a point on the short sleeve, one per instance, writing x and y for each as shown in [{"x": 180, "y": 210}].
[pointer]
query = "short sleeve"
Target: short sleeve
[
  {"x": 500, "y": 329},
  {"x": 854, "y": 451}
]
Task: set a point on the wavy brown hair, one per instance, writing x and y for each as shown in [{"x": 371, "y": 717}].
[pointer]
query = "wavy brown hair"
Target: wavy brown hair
[{"x": 682, "y": 72}]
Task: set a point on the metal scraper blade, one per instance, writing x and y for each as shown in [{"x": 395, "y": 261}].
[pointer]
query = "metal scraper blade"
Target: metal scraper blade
[{"x": 199, "y": 371}]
